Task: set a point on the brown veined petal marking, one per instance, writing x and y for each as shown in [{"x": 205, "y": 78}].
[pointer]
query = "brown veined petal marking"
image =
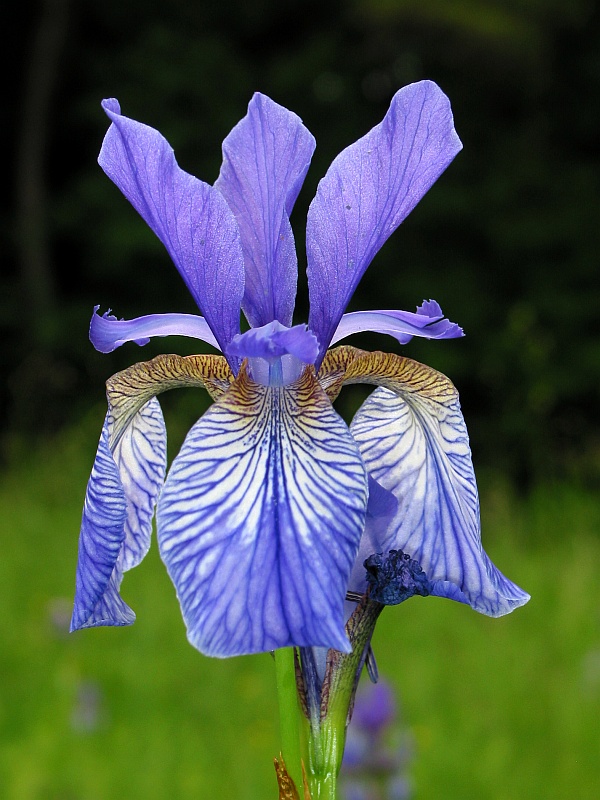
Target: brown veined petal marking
[{"x": 127, "y": 391}]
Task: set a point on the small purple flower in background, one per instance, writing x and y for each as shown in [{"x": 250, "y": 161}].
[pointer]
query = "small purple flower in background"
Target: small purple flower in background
[
  {"x": 273, "y": 504},
  {"x": 378, "y": 748},
  {"x": 88, "y": 711},
  {"x": 59, "y": 615}
]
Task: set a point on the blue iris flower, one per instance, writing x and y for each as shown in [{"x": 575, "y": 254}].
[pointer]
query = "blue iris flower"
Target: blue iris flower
[{"x": 272, "y": 504}]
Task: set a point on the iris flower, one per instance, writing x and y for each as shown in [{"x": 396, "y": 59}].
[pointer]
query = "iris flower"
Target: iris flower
[{"x": 261, "y": 514}]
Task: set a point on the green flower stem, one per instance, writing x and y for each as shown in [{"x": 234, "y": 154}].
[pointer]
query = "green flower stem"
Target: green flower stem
[
  {"x": 327, "y": 738},
  {"x": 285, "y": 674},
  {"x": 325, "y": 758}
]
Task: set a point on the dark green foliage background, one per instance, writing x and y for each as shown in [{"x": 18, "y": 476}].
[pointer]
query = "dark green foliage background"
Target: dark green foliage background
[{"x": 507, "y": 241}]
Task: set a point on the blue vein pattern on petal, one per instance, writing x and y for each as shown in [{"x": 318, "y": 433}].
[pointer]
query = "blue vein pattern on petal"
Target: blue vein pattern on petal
[
  {"x": 369, "y": 189},
  {"x": 117, "y": 516},
  {"x": 260, "y": 518},
  {"x": 266, "y": 157},
  {"x": 417, "y": 447},
  {"x": 141, "y": 455},
  {"x": 190, "y": 217}
]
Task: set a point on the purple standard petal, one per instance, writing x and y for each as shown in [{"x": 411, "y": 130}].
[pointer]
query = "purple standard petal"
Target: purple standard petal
[
  {"x": 107, "y": 332},
  {"x": 190, "y": 217},
  {"x": 117, "y": 516},
  {"x": 402, "y": 325},
  {"x": 368, "y": 191},
  {"x": 415, "y": 444},
  {"x": 265, "y": 159},
  {"x": 260, "y": 518}
]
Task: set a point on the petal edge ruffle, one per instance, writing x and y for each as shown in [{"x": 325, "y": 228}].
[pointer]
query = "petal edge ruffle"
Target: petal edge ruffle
[
  {"x": 107, "y": 332},
  {"x": 402, "y": 325}
]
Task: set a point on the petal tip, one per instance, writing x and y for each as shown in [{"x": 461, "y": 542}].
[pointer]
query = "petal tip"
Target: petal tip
[
  {"x": 111, "y": 106},
  {"x": 125, "y": 618}
]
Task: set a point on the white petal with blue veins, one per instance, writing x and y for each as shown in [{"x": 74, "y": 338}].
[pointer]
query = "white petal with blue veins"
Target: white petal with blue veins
[
  {"x": 117, "y": 518},
  {"x": 260, "y": 519},
  {"x": 416, "y": 446}
]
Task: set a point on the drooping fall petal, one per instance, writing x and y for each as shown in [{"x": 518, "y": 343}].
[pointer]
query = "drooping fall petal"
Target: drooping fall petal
[
  {"x": 117, "y": 518},
  {"x": 260, "y": 518},
  {"x": 414, "y": 442},
  {"x": 127, "y": 476}
]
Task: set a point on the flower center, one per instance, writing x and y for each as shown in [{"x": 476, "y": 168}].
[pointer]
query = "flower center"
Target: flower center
[{"x": 276, "y": 354}]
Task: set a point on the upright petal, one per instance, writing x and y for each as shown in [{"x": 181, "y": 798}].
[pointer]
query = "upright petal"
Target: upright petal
[
  {"x": 414, "y": 442},
  {"x": 260, "y": 519},
  {"x": 368, "y": 191},
  {"x": 190, "y": 217},
  {"x": 117, "y": 518},
  {"x": 265, "y": 159}
]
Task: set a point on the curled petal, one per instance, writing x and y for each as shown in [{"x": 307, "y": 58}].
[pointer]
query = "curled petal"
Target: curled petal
[
  {"x": 141, "y": 456},
  {"x": 265, "y": 159},
  {"x": 130, "y": 389},
  {"x": 260, "y": 518},
  {"x": 107, "y": 332},
  {"x": 334, "y": 366},
  {"x": 117, "y": 516},
  {"x": 402, "y": 325},
  {"x": 276, "y": 355},
  {"x": 100, "y": 539},
  {"x": 448, "y": 590},
  {"x": 368, "y": 191},
  {"x": 414, "y": 442},
  {"x": 275, "y": 340},
  {"x": 190, "y": 217}
]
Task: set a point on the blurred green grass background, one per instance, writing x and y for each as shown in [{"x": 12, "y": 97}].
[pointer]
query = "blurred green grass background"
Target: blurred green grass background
[
  {"x": 507, "y": 241},
  {"x": 497, "y": 709}
]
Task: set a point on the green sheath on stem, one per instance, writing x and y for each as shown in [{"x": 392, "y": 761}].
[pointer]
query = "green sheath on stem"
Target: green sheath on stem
[{"x": 326, "y": 739}]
